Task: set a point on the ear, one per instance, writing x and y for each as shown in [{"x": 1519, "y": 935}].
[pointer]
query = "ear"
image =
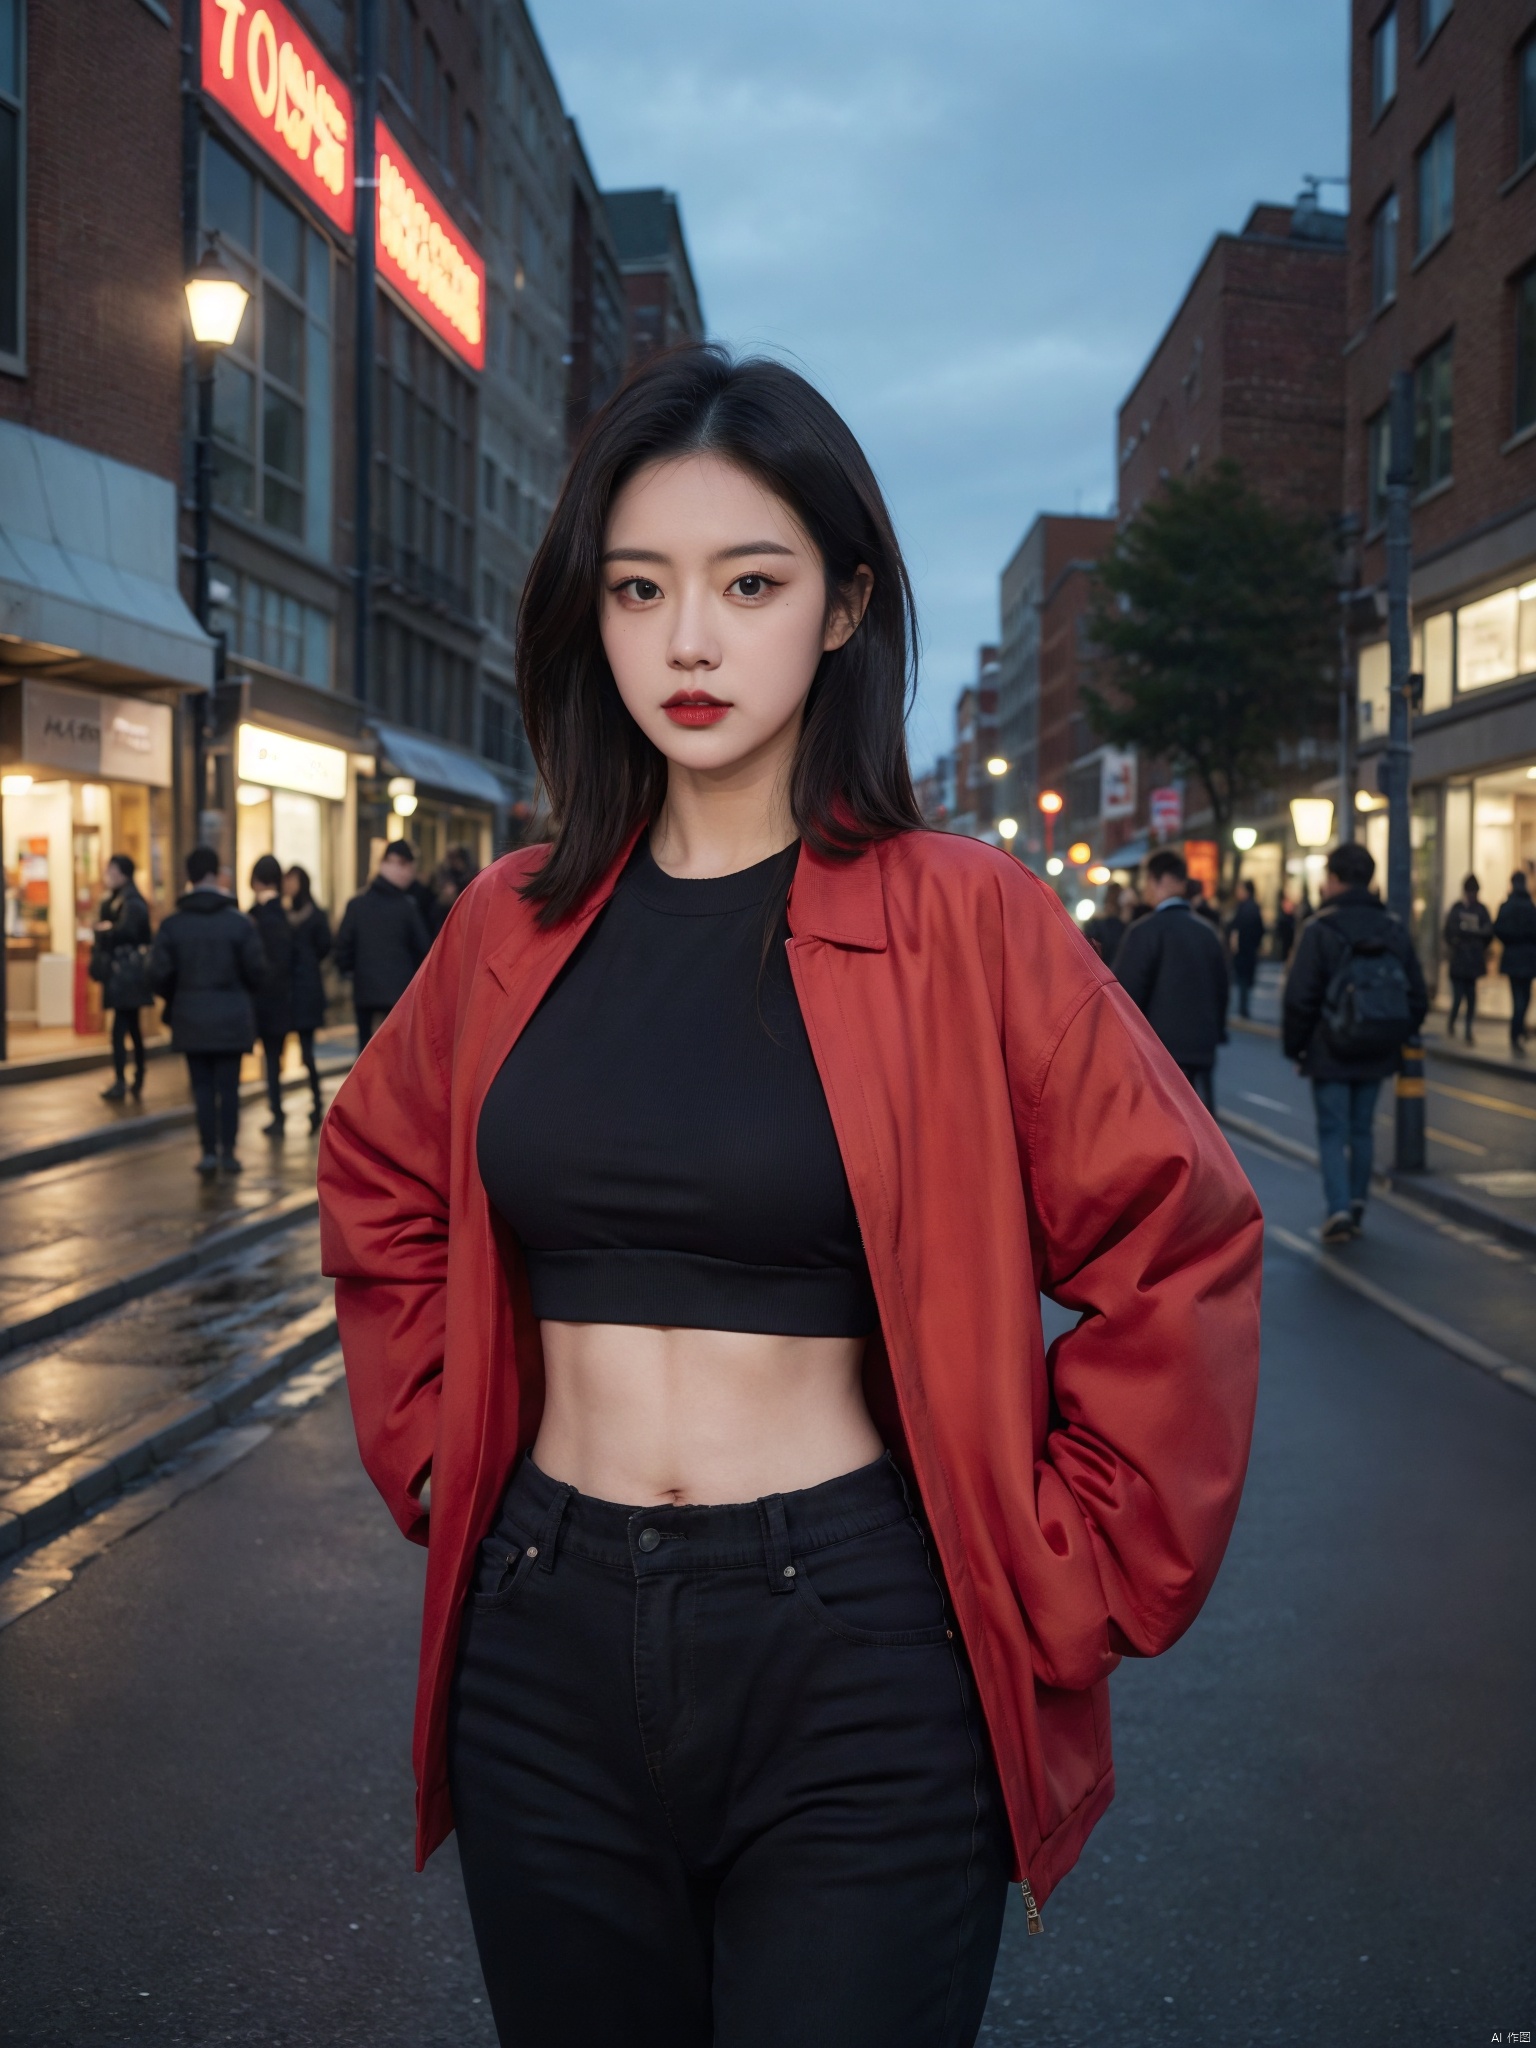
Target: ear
[{"x": 848, "y": 609}]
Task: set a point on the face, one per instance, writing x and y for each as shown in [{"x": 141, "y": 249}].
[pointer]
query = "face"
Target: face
[
  {"x": 401, "y": 872},
  {"x": 115, "y": 876},
  {"x": 715, "y": 614}
]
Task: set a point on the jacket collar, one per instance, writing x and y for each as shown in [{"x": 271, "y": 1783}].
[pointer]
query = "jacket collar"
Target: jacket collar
[{"x": 842, "y": 901}]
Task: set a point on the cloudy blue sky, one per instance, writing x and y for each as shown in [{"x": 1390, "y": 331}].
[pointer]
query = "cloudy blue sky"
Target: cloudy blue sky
[{"x": 967, "y": 220}]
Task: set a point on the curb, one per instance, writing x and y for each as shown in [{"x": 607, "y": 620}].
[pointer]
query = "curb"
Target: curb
[
  {"x": 54, "y": 1500},
  {"x": 134, "y": 1130},
  {"x": 69, "y": 1308},
  {"x": 54, "y": 1066}
]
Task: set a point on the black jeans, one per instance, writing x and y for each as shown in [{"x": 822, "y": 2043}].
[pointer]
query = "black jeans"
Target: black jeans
[
  {"x": 1519, "y": 1003},
  {"x": 720, "y": 1776},
  {"x": 126, "y": 1031},
  {"x": 1463, "y": 992},
  {"x": 216, "y": 1091}
]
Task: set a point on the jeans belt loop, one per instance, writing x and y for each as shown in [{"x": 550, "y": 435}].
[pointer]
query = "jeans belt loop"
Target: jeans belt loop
[
  {"x": 781, "y": 1570},
  {"x": 548, "y": 1539}
]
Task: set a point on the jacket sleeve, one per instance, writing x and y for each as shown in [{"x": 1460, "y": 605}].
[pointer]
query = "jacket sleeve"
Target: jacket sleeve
[
  {"x": 384, "y": 1184},
  {"x": 162, "y": 961},
  {"x": 1136, "y": 961},
  {"x": 1146, "y": 1225},
  {"x": 346, "y": 940},
  {"x": 251, "y": 959},
  {"x": 1305, "y": 987}
]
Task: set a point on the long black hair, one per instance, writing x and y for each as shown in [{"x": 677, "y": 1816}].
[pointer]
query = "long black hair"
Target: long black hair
[{"x": 850, "y": 783}]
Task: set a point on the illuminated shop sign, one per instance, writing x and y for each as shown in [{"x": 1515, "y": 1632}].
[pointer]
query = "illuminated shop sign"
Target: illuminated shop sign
[
  {"x": 86, "y": 733},
  {"x": 282, "y": 761},
  {"x": 425, "y": 258},
  {"x": 263, "y": 69}
]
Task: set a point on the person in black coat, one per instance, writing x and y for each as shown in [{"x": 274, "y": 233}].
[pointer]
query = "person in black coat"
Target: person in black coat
[
  {"x": 1515, "y": 930},
  {"x": 1174, "y": 969},
  {"x": 1245, "y": 935},
  {"x": 1468, "y": 935},
  {"x": 383, "y": 939},
  {"x": 311, "y": 930},
  {"x": 119, "y": 961},
  {"x": 274, "y": 999},
  {"x": 1105, "y": 931},
  {"x": 1344, "y": 1090},
  {"x": 208, "y": 963}
]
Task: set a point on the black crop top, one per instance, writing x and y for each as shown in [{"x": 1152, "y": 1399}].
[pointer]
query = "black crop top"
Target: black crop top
[{"x": 658, "y": 1137}]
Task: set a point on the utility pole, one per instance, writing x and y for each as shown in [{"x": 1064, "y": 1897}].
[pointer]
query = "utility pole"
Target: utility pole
[
  {"x": 1349, "y": 714},
  {"x": 366, "y": 179},
  {"x": 1410, "y": 1079}
]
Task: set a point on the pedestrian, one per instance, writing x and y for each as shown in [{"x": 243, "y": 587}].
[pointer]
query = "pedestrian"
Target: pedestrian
[
  {"x": 1200, "y": 903},
  {"x": 1105, "y": 930},
  {"x": 744, "y": 1692},
  {"x": 311, "y": 930},
  {"x": 208, "y": 964},
  {"x": 1174, "y": 969},
  {"x": 1353, "y": 998},
  {"x": 120, "y": 962},
  {"x": 383, "y": 939},
  {"x": 1283, "y": 937},
  {"x": 1245, "y": 935},
  {"x": 1468, "y": 935},
  {"x": 274, "y": 999},
  {"x": 458, "y": 869},
  {"x": 1515, "y": 930}
]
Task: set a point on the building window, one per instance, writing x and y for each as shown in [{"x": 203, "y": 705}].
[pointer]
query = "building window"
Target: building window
[
  {"x": 1432, "y": 412},
  {"x": 1384, "y": 63},
  {"x": 1437, "y": 185},
  {"x": 264, "y": 455},
  {"x": 498, "y": 728},
  {"x": 400, "y": 58},
  {"x": 431, "y": 90},
  {"x": 270, "y": 627},
  {"x": 469, "y": 156},
  {"x": 1525, "y": 350},
  {"x": 1384, "y": 253},
  {"x": 1431, "y": 14},
  {"x": 488, "y": 483},
  {"x": 1525, "y": 85},
  {"x": 13, "y": 157},
  {"x": 424, "y": 486},
  {"x": 1378, "y": 460}
]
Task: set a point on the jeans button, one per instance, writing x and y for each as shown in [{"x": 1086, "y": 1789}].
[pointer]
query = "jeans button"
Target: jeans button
[{"x": 648, "y": 1539}]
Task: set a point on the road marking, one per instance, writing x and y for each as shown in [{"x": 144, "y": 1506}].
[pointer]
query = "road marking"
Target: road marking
[
  {"x": 1482, "y": 1101},
  {"x": 1441, "y": 1137},
  {"x": 1266, "y": 1102},
  {"x": 1457, "y": 1342}
]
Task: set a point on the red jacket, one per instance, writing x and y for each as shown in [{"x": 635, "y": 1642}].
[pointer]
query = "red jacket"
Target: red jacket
[{"x": 1009, "y": 1125}]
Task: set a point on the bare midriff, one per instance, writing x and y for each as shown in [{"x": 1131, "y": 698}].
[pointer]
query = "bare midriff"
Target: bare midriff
[{"x": 655, "y": 1417}]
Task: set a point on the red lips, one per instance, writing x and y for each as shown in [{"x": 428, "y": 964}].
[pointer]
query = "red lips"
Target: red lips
[{"x": 694, "y": 707}]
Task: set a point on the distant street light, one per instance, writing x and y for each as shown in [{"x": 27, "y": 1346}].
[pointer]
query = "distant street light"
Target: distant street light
[
  {"x": 997, "y": 765},
  {"x": 1079, "y": 853},
  {"x": 1244, "y": 836},
  {"x": 1050, "y": 802},
  {"x": 1055, "y": 864},
  {"x": 1008, "y": 828},
  {"x": 1098, "y": 875},
  {"x": 1084, "y": 909},
  {"x": 1312, "y": 820}
]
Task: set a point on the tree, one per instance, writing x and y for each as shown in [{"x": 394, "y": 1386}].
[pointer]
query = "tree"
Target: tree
[{"x": 1216, "y": 613}]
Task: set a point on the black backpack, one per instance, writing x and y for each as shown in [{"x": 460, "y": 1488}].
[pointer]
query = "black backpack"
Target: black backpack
[{"x": 1365, "y": 1007}]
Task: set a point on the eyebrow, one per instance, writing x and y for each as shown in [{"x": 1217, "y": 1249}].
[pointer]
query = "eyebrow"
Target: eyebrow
[{"x": 750, "y": 547}]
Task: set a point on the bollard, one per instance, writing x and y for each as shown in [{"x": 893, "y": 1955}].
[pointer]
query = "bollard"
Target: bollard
[{"x": 1410, "y": 1109}]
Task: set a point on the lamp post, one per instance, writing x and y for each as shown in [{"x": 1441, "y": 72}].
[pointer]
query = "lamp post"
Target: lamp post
[
  {"x": 1410, "y": 1157},
  {"x": 216, "y": 303}
]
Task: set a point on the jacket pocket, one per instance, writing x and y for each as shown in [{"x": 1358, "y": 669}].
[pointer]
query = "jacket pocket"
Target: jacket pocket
[{"x": 877, "y": 1590}]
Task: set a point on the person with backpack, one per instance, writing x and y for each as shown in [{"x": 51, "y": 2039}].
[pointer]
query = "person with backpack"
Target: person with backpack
[
  {"x": 1515, "y": 930},
  {"x": 1353, "y": 999},
  {"x": 1468, "y": 935}
]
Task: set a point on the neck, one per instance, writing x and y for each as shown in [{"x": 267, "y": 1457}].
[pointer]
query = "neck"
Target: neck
[
  {"x": 264, "y": 895},
  {"x": 718, "y": 821}
]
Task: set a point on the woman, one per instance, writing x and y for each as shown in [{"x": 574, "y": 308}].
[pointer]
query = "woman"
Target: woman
[
  {"x": 1468, "y": 935},
  {"x": 120, "y": 962},
  {"x": 274, "y": 998},
  {"x": 688, "y": 1214},
  {"x": 311, "y": 935}
]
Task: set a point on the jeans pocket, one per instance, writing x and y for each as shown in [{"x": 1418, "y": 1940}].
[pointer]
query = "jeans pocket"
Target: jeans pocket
[
  {"x": 500, "y": 1572},
  {"x": 878, "y": 1589}
]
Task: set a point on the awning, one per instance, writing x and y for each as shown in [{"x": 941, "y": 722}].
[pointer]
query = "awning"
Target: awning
[
  {"x": 88, "y": 565},
  {"x": 439, "y": 766}
]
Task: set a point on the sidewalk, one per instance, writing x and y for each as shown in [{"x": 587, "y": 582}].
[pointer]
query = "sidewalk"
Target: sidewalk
[{"x": 1490, "y": 1051}]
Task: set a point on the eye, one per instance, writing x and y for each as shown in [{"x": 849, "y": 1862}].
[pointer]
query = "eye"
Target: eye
[
  {"x": 753, "y": 584},
  {"x": 641, "y": 588}
]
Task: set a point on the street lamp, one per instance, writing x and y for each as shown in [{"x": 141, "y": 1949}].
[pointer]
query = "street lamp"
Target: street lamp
[
  {"x": 1008, "y": 829},
  {"x": 1312, "y": 820},
  {"x": 997, "y": 765},
  {"x": 216, "y": 302},
  {"x": 1051, "y": 802},
  {"x": 1244, "y": 837},
  {"x": 1079, "y": 853}
]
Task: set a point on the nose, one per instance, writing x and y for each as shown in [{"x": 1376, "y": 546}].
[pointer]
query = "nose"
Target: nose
[{"x": 694, "y": 643}]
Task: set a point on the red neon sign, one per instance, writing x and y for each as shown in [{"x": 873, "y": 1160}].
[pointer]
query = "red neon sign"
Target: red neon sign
[
  {"x": 263, "y": 69},
  {"x": 436, "y": 271}
]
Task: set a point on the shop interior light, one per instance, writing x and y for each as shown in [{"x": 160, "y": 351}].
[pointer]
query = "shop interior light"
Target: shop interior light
[
  {"x": 15, "y": 785},
  {"x": 251, "y": 793},
  {"x": 1050, "y": 801},
  {"x": 1084, "y": 908},
  {"x": 1007, "y": 828},
  {"x": 1312, "y": 820},
  {"x": 1530, "y": 774},
  {"x": 401, "y": 785},
  {"x": 1055, "y": 864},
  {"x": 1364, "y": 801},
  {"x": 1079, "y": 853},
  {"x": 1098, "y": 875},
  {"x": 1244, "y": 836},
  {"x": 404, "y": 806},
  {"x": 216, "y": 301},
  {"x": 997, "y": 765}
]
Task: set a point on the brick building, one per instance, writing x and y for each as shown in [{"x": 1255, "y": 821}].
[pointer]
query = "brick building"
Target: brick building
[
  {"x": 100, "y": 658},
  {"x": 661, "y": 300},
  {"x": 1442, "y": 283},
  {"x": 973, "y": 806},
  {"x": 599, "y": 310}
]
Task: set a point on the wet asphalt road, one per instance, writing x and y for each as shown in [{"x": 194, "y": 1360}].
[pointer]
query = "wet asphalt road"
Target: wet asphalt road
[{"x": 1325, "y": 1831}]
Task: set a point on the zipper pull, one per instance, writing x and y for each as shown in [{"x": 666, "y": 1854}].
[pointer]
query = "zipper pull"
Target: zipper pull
[{"x": 1032, "y": 1918}]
